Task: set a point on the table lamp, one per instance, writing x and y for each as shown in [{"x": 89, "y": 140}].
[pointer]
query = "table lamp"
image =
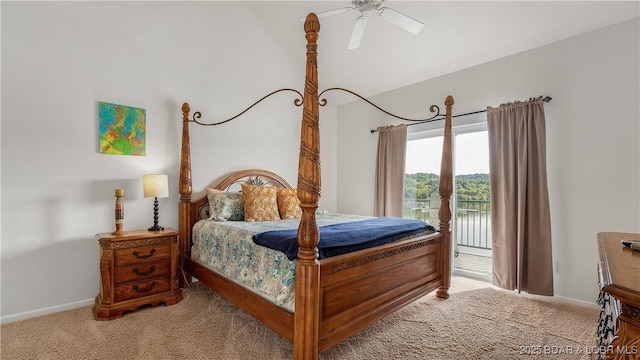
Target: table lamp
[{"x": 155, "y": 186}]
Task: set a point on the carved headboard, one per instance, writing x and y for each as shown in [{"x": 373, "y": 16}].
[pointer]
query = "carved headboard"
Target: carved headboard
[{"x": 232, "y": 182}]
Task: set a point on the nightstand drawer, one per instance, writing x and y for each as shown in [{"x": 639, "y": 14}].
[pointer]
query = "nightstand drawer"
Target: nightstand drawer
[
  {"x": 143, "y": 270},
  {"x": 142, "y": 254},
  {"x": 138, "y": 289}
]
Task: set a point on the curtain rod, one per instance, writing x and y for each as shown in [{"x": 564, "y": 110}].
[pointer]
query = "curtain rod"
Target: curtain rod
[{"x": 545, "y": 99}]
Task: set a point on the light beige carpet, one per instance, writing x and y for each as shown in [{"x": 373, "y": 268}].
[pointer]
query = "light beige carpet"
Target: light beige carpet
[{"x": 478, "y": 321}]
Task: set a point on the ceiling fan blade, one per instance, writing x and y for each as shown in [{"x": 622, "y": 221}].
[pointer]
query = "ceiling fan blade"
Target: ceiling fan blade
[
  {"x": 330, "y": 12},
  {"x": 358, "y": 31},
  {"x": 334, "y": 12},
  {"x": 401, "y": 20}
]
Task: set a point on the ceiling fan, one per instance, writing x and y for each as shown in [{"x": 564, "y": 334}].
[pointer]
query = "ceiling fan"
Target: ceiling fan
[{"x": 368, "y": 7}]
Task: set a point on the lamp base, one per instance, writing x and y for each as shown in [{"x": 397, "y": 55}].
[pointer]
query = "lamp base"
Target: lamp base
[{"x": 155, "y": 226}]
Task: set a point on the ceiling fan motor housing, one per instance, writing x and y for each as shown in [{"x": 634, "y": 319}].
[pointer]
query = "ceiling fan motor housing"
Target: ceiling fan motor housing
[{"x": 366, "y": 6}]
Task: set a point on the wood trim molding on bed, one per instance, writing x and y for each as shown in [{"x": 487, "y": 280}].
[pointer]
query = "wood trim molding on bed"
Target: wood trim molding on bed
[
  {"x": 185, "y": 215},
  {"x": 234, "y": 177},
  {"x": 337, "y": 296},
  {"x": 307, "y": 305},
  {"x": 445, "y": 191}
]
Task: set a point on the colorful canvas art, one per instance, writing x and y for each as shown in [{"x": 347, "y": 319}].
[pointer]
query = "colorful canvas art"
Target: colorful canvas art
[{"x": 122, "y": 130}]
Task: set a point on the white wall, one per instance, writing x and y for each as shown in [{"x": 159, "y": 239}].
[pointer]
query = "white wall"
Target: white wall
[
  {"x": 593, "y": 130},
  {"x": 59, "y": 59}
]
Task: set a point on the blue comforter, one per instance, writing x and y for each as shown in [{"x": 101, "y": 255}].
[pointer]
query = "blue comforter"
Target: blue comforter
[{"x": 345, "y": 237}]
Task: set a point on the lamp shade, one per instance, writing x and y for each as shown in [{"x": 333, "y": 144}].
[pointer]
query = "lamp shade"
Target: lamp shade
[{"x": 155, "y": 185}]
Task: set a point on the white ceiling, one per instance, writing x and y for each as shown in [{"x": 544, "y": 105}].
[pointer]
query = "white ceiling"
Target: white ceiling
[{"x": 456, "y": 35}]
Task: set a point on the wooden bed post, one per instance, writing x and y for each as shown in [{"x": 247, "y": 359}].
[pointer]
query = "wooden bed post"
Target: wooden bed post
[
  {"x": 307, "y": 287},
  {"x": 184, "y": 208},
  {"x": 446, "y": 189}
]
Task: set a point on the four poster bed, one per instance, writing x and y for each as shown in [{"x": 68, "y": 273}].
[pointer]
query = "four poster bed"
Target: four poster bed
[{"x": 336, "y": 296}]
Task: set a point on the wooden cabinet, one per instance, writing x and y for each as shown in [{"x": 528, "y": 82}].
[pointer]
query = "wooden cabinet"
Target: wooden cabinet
[
  {"x": 619, "y": 276},
  {"x": 137, "y": 268}
]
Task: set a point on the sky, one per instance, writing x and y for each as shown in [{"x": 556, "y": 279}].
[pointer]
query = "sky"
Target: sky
[{"x": 471, "y": 154}]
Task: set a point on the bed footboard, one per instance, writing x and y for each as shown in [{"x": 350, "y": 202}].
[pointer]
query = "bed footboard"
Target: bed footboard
[{"x": 357, "y": 290}]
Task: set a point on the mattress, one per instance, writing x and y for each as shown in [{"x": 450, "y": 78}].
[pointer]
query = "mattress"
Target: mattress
[{"x": 228, "y": 248}]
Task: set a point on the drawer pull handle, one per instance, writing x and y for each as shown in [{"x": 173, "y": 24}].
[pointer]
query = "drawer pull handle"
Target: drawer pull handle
[
  {"x": 151, "y": 286},
  {"x": 143, "y": 273},
  {"x": 138, "y": 256}
]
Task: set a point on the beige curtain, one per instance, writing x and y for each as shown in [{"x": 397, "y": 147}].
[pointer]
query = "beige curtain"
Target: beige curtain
[
  {"x": 520, "y": 219},
  {"x": 390, "y": 166}
]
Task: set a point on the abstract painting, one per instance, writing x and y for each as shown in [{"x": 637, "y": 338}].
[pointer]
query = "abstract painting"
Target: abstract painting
[{"x": 122, "y": 129}]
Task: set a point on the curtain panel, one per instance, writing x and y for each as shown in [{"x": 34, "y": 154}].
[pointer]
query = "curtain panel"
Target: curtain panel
[
  {"x": 520, "y": 218},
  {"x": 390, "y": 167}
]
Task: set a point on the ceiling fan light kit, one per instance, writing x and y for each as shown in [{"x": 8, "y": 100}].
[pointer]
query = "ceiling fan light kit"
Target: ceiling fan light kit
[{"x": 366, "y": 8}]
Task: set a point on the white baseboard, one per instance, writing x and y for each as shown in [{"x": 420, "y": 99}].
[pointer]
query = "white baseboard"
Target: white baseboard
[
  {"x": 480, "y": 277},
  {"x": 579, "y": 302},
  {"x": 50, "y": 310}
]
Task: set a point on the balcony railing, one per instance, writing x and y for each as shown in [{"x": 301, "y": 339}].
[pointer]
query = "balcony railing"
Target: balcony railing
[
  {"x": 473, "y": 223},
  {"x": 472, "y": 227}
]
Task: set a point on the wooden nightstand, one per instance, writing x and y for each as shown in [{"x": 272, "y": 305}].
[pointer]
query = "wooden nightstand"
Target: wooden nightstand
[{"x": 137, "y": 268}]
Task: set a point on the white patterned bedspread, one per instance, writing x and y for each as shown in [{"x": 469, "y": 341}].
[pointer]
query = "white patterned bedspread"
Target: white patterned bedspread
[{"x": 228, "y": 248}]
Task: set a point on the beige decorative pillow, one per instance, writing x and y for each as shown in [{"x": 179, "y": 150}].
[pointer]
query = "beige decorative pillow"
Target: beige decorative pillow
[
  {"x": 260, "y": 203},
  {"x": 288, "y": 204}
]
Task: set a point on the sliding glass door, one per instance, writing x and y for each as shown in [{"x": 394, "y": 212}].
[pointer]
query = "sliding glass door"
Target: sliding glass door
[{"x": 471, "y": 223}]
